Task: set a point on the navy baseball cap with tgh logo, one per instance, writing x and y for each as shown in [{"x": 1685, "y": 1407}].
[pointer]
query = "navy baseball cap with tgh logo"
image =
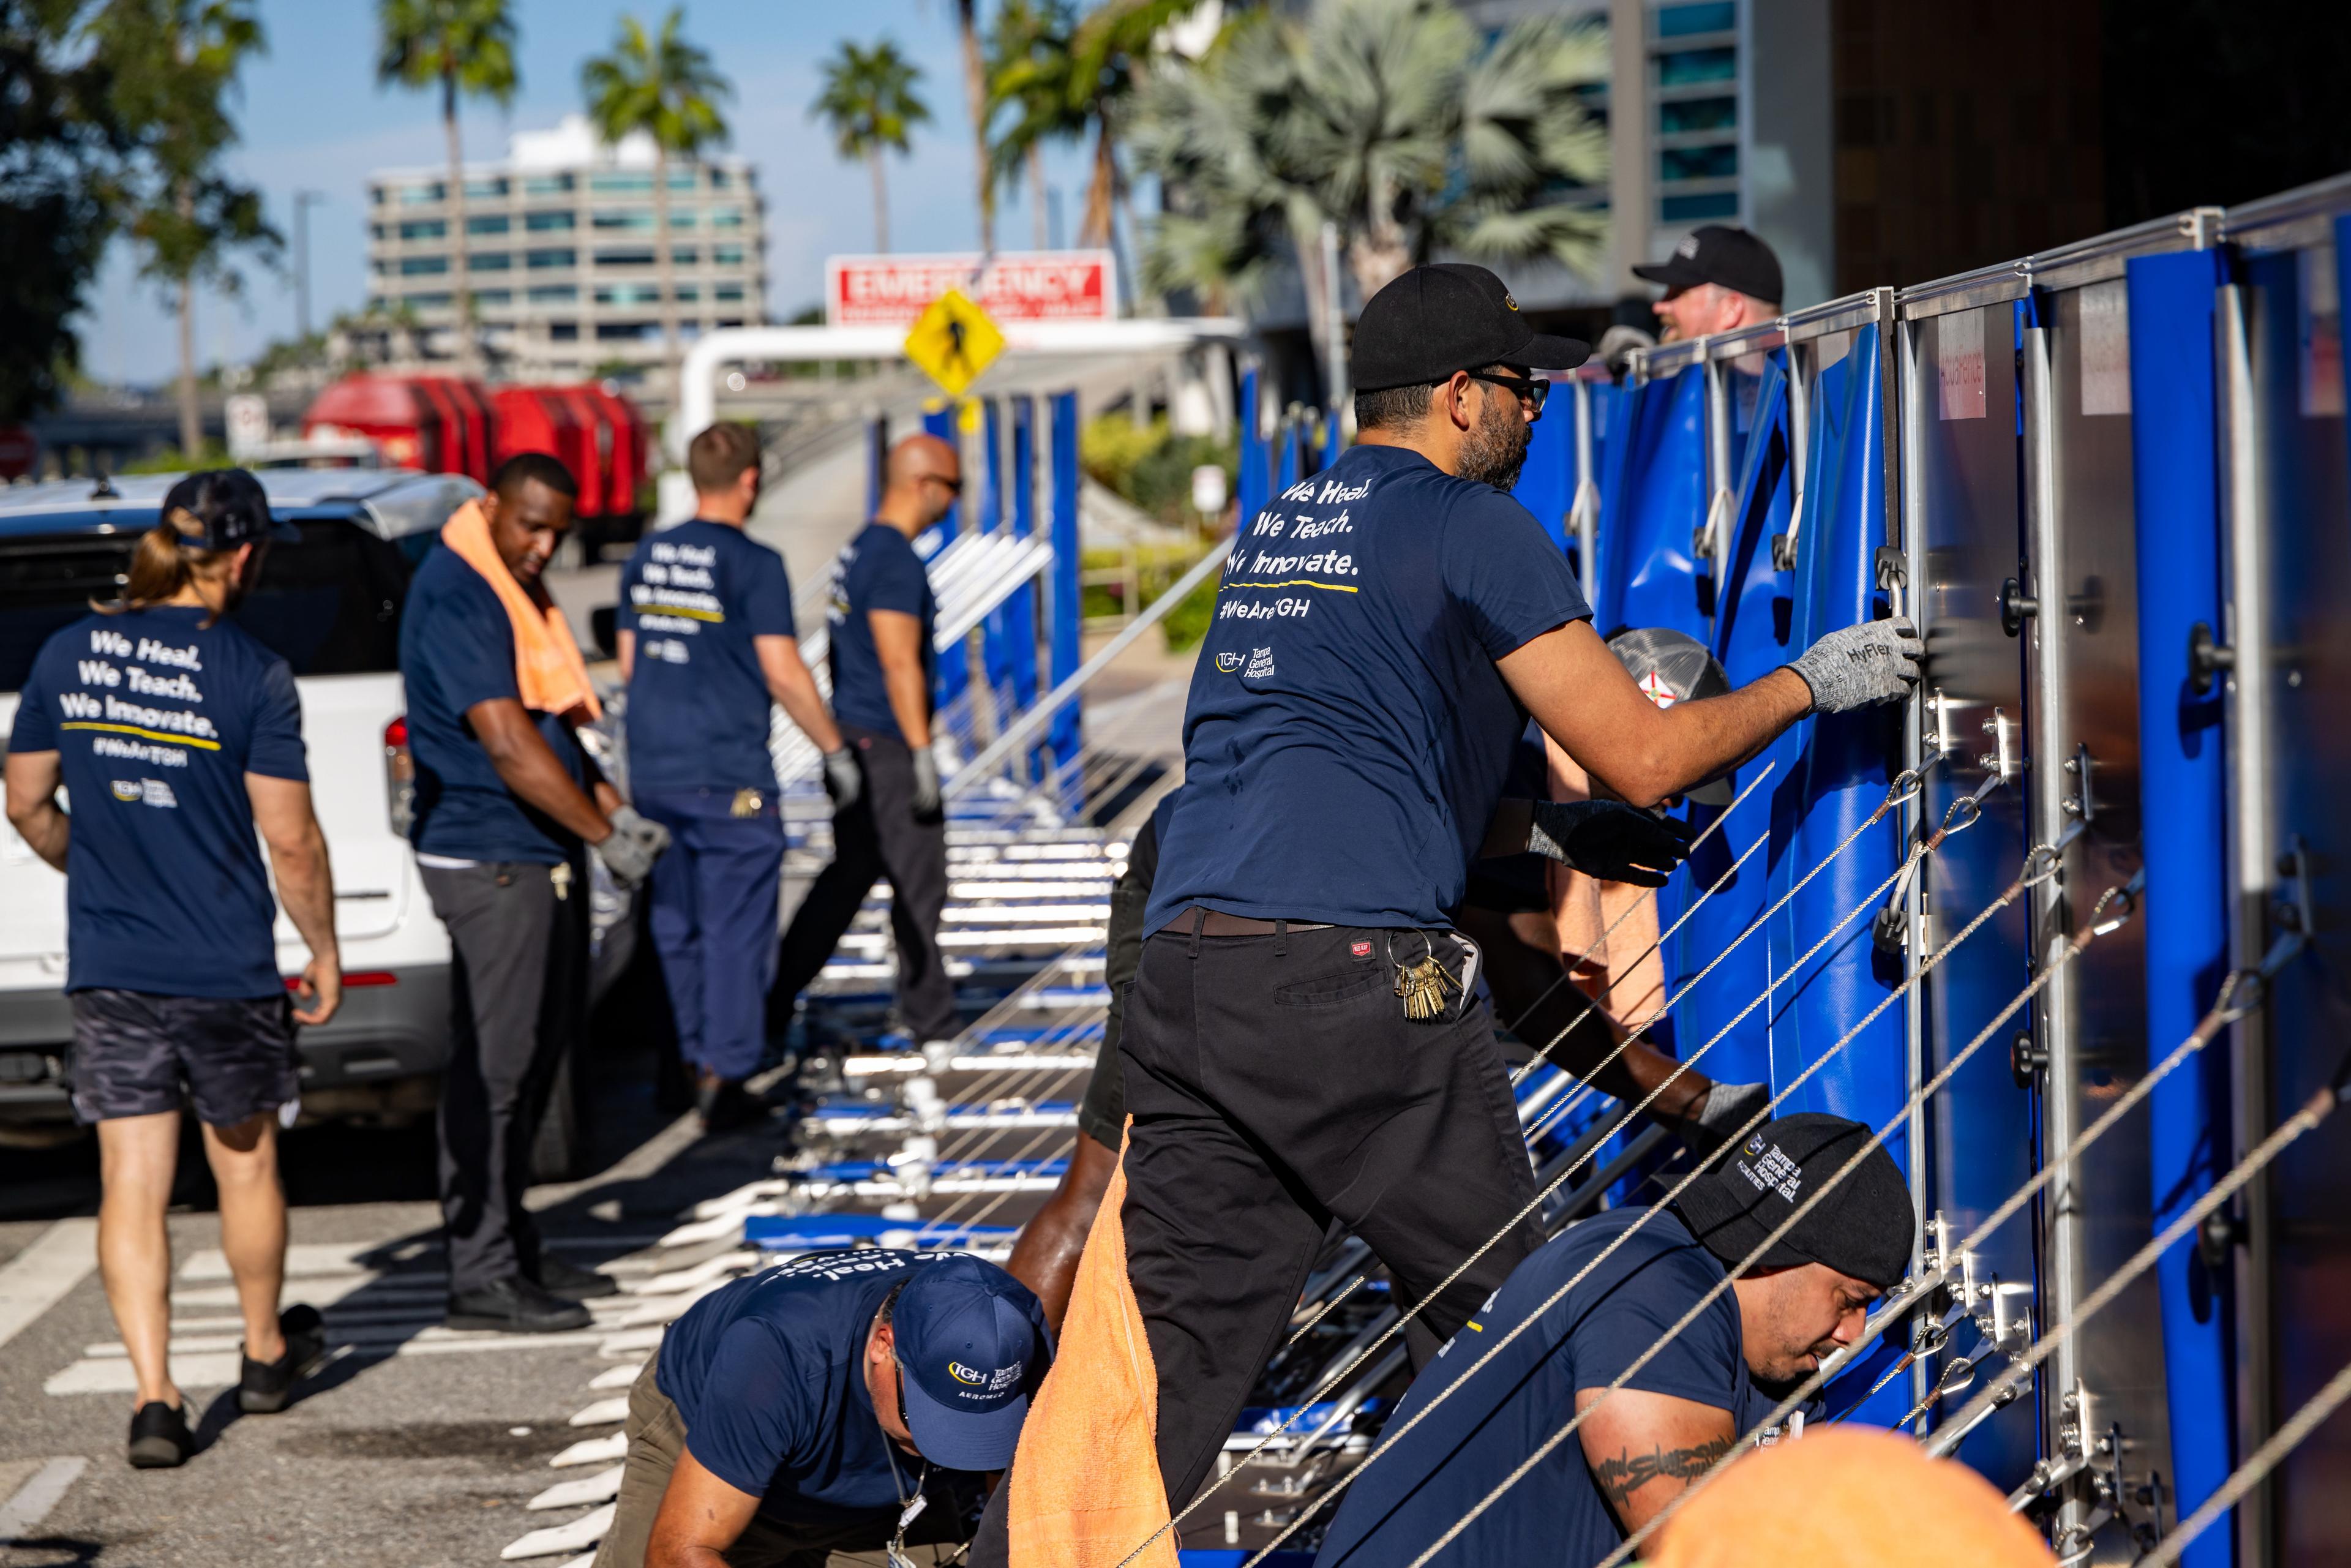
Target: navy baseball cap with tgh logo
[
  {"x": 1862, "y": 1229},
  {"x": 972, "y": 1347}
]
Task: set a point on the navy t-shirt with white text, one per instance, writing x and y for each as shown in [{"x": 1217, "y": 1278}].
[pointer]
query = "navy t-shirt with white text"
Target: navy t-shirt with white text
[
  {"x": 156, "y": 718},
  {"x": 1347, "y": 733},
  {"x": 1489, "y": 1425},
  {"x": 695, "y": 596},
  {"x": 878, "y": 570},
  {"x": 769, "y": 1377},
  {"x": 458, "y": 649}
]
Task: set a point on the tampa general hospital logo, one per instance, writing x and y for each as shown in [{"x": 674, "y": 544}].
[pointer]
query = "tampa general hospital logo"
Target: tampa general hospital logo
[{"x": 963, "y": 1374}]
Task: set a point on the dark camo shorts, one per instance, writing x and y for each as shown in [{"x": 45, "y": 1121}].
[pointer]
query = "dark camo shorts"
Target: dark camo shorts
[{"x": 132, "y": 1053}]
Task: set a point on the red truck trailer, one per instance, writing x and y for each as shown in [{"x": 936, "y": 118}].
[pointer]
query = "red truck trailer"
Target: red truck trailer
[{"x": 449, "y": 425}]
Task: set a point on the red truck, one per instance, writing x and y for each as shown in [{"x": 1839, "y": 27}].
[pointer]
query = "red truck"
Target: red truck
[{"x": 444, "y": 425}]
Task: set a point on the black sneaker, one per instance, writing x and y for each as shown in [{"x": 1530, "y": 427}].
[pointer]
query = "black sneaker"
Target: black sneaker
[
  {"x": 160, "y": 1438},
  {"x": 569, "y": 1279},
  {"x": 725, "y": 1104},
  {"x": 264, "y": 1387},
  {"x": 515, "y": 1306}
]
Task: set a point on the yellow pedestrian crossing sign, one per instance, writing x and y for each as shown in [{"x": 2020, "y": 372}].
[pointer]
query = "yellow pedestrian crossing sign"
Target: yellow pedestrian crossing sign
[{"x": 953, "y": 341}]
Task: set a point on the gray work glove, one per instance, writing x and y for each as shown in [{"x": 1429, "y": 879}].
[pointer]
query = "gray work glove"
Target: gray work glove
[
  {"x": 636, "y": 842},
  {"x": 841, "y": 779},
  {"x": 928, "y": 805},
  {"x": 1609, "y": 840},
  {"x": 1875, "y": 662}
]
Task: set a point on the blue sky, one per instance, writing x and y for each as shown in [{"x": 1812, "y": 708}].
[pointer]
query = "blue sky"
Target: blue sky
[{"x": 314, "y": 120}]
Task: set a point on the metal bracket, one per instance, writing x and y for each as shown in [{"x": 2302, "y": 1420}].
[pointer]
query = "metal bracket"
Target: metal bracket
[
  {"x": 2081, "y": 803},
  {"x": 2294, "y": 909},
  {"x": 1939, "y": 739},
  {"x": 1783, "y": 552},
  {"x": 2206, "y": 658},
  {"x": 2001, "y": 760}
]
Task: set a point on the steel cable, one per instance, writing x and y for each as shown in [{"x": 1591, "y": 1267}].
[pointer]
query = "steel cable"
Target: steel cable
[
  {"x": 1757, "y": 1119},
  {"x": 2027, "y": 878},
  {"x": 2254, "y": 1470}
]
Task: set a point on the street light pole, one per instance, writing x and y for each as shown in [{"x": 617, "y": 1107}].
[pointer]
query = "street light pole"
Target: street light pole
[{"x": 303, "y": 202}]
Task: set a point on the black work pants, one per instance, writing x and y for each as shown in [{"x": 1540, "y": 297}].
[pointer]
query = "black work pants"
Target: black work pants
[
  {"x": 1275, "y": 1085},
  {"x": 518, "y": 975},
  {"x": 878, "y": 837}
]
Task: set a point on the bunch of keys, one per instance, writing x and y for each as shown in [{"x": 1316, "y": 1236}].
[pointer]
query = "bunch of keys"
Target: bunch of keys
[{"x": 1423, "y": 985}]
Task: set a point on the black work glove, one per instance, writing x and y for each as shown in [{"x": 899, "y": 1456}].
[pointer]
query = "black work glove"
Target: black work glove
[{"x": 1609, "y": 840}]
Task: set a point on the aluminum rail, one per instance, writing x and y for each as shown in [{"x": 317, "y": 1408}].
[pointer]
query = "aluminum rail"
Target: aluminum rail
[{"x": 1019, "y": 731}]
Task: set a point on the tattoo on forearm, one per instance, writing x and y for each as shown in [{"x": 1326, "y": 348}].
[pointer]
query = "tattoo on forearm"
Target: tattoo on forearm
[{"x": 1628, "y": 1472}]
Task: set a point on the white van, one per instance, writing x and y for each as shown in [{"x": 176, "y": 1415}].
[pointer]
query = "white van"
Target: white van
[{"x": 330, "y": 606}]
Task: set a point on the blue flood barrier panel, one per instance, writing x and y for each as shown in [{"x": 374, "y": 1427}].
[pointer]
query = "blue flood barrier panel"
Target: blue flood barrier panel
[
  {"x": 1020, "y": 609},
  {"x": 1648, "y": 577},
  {"x": 1839, "y": 778},
  {"x": 953, "y": 669},
  {"x": 1066, "y": 735},
  {"x": 2182, "y": 786},
  {"x": 1749, "y": 644},
  {"x": 1250, "y": 489},
  {"x": 996, "y": 636},
  {"x": 1546, "y": 485}
]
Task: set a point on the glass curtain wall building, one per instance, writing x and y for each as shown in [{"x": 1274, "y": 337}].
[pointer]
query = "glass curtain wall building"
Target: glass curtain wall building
[{"x": 563, "y": 249}]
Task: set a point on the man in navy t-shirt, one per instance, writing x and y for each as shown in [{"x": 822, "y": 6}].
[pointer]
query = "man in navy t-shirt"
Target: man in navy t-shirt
[
  {"x": 706, "y": 641},
  {"x": 1640, "y": 1447},
  {"x": 840, "y": 1402},
  {"x": 176, "y": 736},
  {"x": 882, "y": 618},
  {"x": 1304, "y": 1041},
  {"x": 507, "y": 799}
]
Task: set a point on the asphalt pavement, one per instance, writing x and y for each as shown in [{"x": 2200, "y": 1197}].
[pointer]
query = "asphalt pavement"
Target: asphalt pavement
[{"x": 415, "y": 1446}]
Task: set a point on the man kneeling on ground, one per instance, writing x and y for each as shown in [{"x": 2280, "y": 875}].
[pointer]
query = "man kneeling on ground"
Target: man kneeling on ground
[
  {"x": 843, "y": 1402},
  {"x": 1644, "y": 1444}
]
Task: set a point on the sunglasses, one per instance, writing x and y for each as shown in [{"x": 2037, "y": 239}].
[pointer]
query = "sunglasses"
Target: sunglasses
[
  {"x": 954, "y": 487},
  {"x": 1532, "y": 391}
]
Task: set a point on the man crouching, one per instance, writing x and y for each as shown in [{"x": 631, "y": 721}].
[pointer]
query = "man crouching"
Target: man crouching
[{"x": 843, "y": 1402}]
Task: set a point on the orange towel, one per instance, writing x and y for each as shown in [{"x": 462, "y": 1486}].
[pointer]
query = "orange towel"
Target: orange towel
[
  {"x": 1085, "y": 1481},
  {"x": 548, "y": 670}
]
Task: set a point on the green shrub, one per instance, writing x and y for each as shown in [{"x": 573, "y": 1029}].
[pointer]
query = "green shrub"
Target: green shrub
[{"x": 1151, "y": 467}]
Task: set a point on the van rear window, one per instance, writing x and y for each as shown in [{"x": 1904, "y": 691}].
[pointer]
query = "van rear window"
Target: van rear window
[{"x": 329, "y": 605}]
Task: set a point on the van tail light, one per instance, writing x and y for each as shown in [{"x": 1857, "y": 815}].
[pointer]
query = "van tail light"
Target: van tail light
[{"x": 399, "y": 776}]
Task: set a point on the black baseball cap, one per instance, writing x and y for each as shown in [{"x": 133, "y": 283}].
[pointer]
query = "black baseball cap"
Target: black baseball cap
[
  {"x": 1733, "y": 258},
  {"x": 1863, "y": 1228},
  {"x": 1449, "y": 316},
  {"x": 221, "y": 508}
]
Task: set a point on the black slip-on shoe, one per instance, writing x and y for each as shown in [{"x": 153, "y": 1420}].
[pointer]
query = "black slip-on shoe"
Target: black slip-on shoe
[
  {"x": 160, "y": 1438},
  {"x": 515, "y": 1305},
  {"x": 264, "y": 1387},
  {"x": 553, "y": 1274}
]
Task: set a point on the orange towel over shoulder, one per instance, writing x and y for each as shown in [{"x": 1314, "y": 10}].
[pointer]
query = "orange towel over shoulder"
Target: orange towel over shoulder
[
  {"x": 548, "y": 671},
  {"x": 1085, "y": 1479}
]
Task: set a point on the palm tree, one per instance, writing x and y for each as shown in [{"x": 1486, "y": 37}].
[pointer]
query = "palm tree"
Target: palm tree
[
  {"x": 669, "y": 89},
  {"x": 869, "y": 101},
  {"x": 1027, "y": 68},
  {"x": 466, "y": 47},
  {"x": 1387, "y": 119},
  {"x": 975, "y": 98},
  {"x": 172, "y": 67}
]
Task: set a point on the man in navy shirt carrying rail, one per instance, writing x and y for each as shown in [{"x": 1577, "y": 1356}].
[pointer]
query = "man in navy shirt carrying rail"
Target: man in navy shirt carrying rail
[
  {"x": 505, "y": 800},
  {"x": 840, "y": 1402},
  {"x": 1298, "y": 1046},
  {"x": 705, "y": 641},
  {"x": 883, "y": 615},
  {"x": 176, "y": 736}
]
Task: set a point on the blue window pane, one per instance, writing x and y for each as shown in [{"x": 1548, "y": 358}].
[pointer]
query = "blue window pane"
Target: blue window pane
[
  {"x": 552, "y": 258},
  {"x": 489, "y": 225},
  {"x": 494, "y": 297},
  {"x": 547, "y": 184},
  {"x": 554, "y": 294},
  {"x": 1717, "y": 163},
  {"x": 1681, "y": 21},
  {"x": 1690, "y": 114},
  {"x": 423, "y": 265},
  {"x": 1684, "y": 67},
  {"x": 490, "y": 261},
  {"x": 1689, "y": 209},
  {"x": 540, "y": 223}
]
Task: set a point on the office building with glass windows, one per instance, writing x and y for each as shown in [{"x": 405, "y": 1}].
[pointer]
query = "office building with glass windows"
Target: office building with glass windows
[{"x": 562, "y": 252}]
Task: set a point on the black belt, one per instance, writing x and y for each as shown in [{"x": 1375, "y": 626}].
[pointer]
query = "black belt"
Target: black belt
[{"x": 1201, "y": 922}]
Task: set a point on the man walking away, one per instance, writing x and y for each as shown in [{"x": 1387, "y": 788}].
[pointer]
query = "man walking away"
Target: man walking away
[
  {"x": 882, "y": 662},
  {"x": 177, "y": 737},
  {"x": 705, "y": 640},
  {"x": 505, "y": 800}
]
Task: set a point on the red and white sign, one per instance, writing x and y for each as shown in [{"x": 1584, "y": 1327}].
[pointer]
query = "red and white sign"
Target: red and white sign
[
  {"x": 19, "y": 450},
  {"x": 1017, "y": 285}
]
